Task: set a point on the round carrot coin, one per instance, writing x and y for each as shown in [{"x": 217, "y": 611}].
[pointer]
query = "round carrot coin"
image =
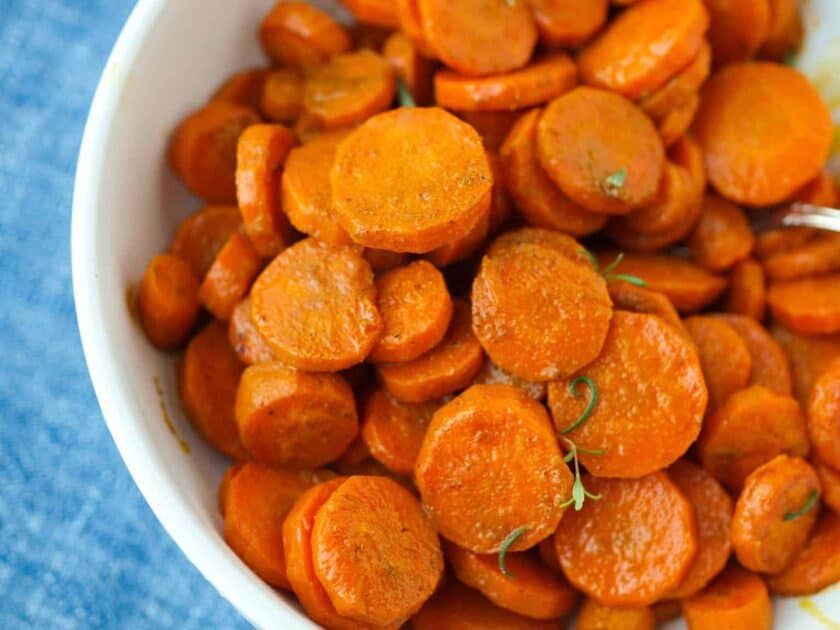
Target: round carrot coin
[
  {"x": 243, "y": 88},
  {"x": 282, "y": 97},
  {"x": 644, "y": 46},
  {"x": 539, "y": 82},
  {"x": 230, "y": 276},
  {"x": 722, "y": 236},
  {"x": 449, "y": 366},
  {"x": 747, "y": 294},
  {"x": 679, "y": 90},
  {"x": 300, "y": 35},
  {"x": 478, "y": 37},
  {"x": 568, "y": 23},
  {"x": 810, "y": 306},
  {"x": 533, "y": 591},
  {"x": 737, "y": 28},
  {"x": 455, "y": 607},
  {"x": 815, "y": 567},
  {"x": 809, "y": 357},
  {"x": 168, "y": 301},
  {"x": 291, "y": 418},
  {"x": 824, "y": 416},
  {"x": 539, "y": 314},
  {"x": 207, "y": 385},
  {"x": 493, "y": 127},
  {"x": 785, "y": 112},
  {"x": 411, "y": 66},
  {"x": 713, "y": 515},
  {"x": 305, "y": 188},
  {"x": 820, "y": 255},
  {"x": 416, "y": 309},
  {"x": 675, "y": 205},
  {"x": 601, "y": 150},
  {"x": 748, "y": 430},
  {"x": 687, "y": 153},
  {"x": 782, "y": 240},
  {"x": 347, "y": 89},
  {"x": 595, "y": 616},
  {"x": 775, "y": 513},
  {"x": 676, "y": 122},
  {"x": 737, "y": 599},
  {"x": 724, "y": 356},
  {"x": 466, "y": 245},
  {"x": 490, "y": 465},
  {"x": 257, "y": 499},
  {"x": 203, "y": 150},
  {"x": 630, "y": 240},
  {"x": 537, "y": 197},
  {"x": 202, "y": 234},
  {"x": 375, "y": 551},
  {"x": 377, "y": 12},
  {"x": 410, "y": 180},
  {"x": 492, "y": 374},
  {"x": 650, "y": 399},
  {"x": 558, "y": 241},
  {"x": 315, "y": 306},
  {"x": 629, "y": 297},
  {"x": 394, "y": 431},
  {"x": 246, "y": 342},
  {"x": 655, "y": 524}
]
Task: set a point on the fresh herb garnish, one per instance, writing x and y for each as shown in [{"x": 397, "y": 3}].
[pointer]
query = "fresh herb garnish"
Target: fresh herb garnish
[
  {"x": 806, "y": 507},
  {"x": 608, "y": 274},
  {"x": 590, "y": 405},
  {"x": 511, "y": 538},
  {"x": 404, "y": 96},
  {"x": 579, "y": 493},
  {"x": 615, "y": 182}
]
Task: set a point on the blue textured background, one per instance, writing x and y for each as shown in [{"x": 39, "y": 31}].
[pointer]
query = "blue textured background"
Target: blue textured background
[{"x": 79, "y": 547}]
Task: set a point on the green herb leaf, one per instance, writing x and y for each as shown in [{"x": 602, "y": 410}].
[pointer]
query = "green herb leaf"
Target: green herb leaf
[
  {"x": 511, "y": 538},
  {"x": 611, "y": 267},
  {"x": 615, "y": 182},
  {"x": 579, "y": 493},
  {"x": 404, "y": 96},
  {"x": 590, "y": 406},
  {"x": 806, "y": 507},
  {"x": 596, "y": 264},
  {"x": 609, "y": 276}
]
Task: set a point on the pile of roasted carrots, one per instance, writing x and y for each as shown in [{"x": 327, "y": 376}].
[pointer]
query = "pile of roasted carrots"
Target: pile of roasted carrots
[{"x": 478, "y": 288}]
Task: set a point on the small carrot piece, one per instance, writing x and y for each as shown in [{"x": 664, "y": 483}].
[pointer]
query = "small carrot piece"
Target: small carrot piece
[
  {"x": 408, "y": 13},
  {"x": 816, "y": 566},
  {"x": 568, "y": 23},
  {"x": 446, "y": 368},
  {"x": 736, "y": 599},
  {"x": 300, "y": 35},
  {"x": 630, "y": 240},
  {"x": 243, "y": 88},
  {"x": 687, "y": 153},
  {"x": 823, "y": 413},
  {"x": 677, "y": 121},
  {"x": 595, "y": 616},
  {"x": 229, "y": 278},
  {"x": 492, "y": 374},
  {"x": 737, "y": 28},
  {"x": 747, "y": 290},
  {"x": 224, "y": 486},
  {"x": 282, "y": 96},
  {"x": 409, "y": 65},
  {"x": 246, "y": 342},
  {"x": 820, "y": 255},
  {"x": 466, "y": 245},
  {"x": 464, "y": 500},
  {"x": 556, "y": 240},
  {"x": 810, "y": 306},
  {"x": 676, "y": 203},
  {"x": 598, "y": 168},
  {"x": 809, "y": 356},
  {"x": 168, "y": 301},
  {"x": 377, "y": 12},
  {"x": 202, "y": 151},
  {"x": 501, "y": 206},
  {"x": 383, "y": 260}
]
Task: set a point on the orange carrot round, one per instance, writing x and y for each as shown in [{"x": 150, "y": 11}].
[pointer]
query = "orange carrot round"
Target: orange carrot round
[
  {"x": 679, "y": 90},
  {"x": 810, "y": 306},
  {"x": 568, "y": 23},
  {"x": 809, "y": 357},
  {"x": 384, "y": 260},
  {"x": 246, "y": 342},
  {"x": 411, "y": 66},
  {"x": 687, "y": 153},
  {"x": 595, "y": 616},
  {"x": 467, "y": 244},
  {"x": 737, "y": 599},
  {"x": 492, "y": 374},
  {"x": 377, "y": 12},
  {"x": 722, "y": 237},
  {"x": 629, "y": 297},
  {"x": 676, "y": 203},
  {"x": 168, "y": 301},
  {"x": 815, "y": 567},
  {"x": 823, "y": 412},
  {"x": 230, "y": 276},
  {"x": 676, "y": 122},
  {"x": 630, "y": 240},
  {"x": 300, "y": 35},
  {"x": 737, "y": 28},
  {"x": 747, "y": 290},
  {"x": 282, "y": 97},
  {"x": 493, "y": 127},
  {"x": 202, "y": 234},
  {"x": 243, "y": 88},
  {"x": 820, "y": 255}
]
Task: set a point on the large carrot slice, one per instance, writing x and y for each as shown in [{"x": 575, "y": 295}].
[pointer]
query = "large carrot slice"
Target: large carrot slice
[
  {"x": 168, "y": 301},
  {"x": 300, "y": 35},
  {"x": 747, "y": 290},
  {"x": 737, "y": 599},
  {"x": 810, "y": 306}
]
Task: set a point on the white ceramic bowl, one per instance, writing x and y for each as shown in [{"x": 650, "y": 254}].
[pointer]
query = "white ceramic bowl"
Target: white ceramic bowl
[{"x": 168, "y": 59}]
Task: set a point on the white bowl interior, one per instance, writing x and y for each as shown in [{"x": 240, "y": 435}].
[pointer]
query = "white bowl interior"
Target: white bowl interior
[{"x": 169, "y": 58}]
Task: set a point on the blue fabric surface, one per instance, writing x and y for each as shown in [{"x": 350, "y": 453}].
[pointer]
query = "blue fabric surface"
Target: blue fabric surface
[{"x": 79, "y": 547}]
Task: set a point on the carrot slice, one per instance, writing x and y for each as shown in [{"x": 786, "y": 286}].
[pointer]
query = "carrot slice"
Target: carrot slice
[
  {"x": 409, "y": 15},
  {"x": 824, "y": 416},
  {"x": 689, "y": 287},
  {"x": 501, "y": 206},
  {"x": 816, "y": 566},
  {"x": 810, "y": 306},
  {"x": 676, "y": 203},
  {"x": 548, "y": 554},
  {"x": 315, "y": 306},
  {"x": 246, "y": 342},
  {"x": 478, "y": 37},
  {"x": 537, "y": 197},
  {"x": 305, "y": 188},
  {"x": 229, "y": 278},
  {"x": 298, "y": 34},
  {"x": 537, "y": 83},
  {"x": 533, "y": 591},
  {"x": 416, "y": 310},
  {"x": 644, "y": 46},
  {"x": 820, "y": 255},
  {"x": 737, "y": 599},
  {"x": 446, "y": 368},
  {"x": 737, "y": 28},
  {"x": 666, "y": 611},
  {"x": 257, "y": 499},
  {"x": 681, "y": 89},
  {"x": 785, "y": 31},
  {"x": 770, "y": 365},
  {"x": 595, "y": 616},
  {"x": 456, "y": 606},
  {"x": 202, "y": 151},
  {"x": 568, "y": 23},
  {"x": 224, "y": 486},
  {"x": 821, "y": 191},
  {"x": 677, "y": 121},
  {"x": 243, "y": 88},
  {"x": 782, "y": 240},
  {"x": 492, "y": 374},
  {"x": 347, "y": 89},
  {"x": 412, "y": 67},
  {"x": 628, "y": 297},
  {"x": 809, "y": 357},
  {"x": 650, "y": 399},
  {"x": 377, "y": 12},
  {"x": 558, "y": 241},
  {"x": 168, "y": 301},
  {"x": 207, "y": 385},
  {"x": 291, "y": 418},
  {"x": 375, "y": 551},
  {"x": 493, "y": 127},
  {"x": 468, "y": 244},
  {"x": 202, "y": 234},
  {"x": 599, "y": 168},
  {"x": 629, "y": 239},
  {"x": 726, "y": 360},
  {"x": 282, "y": 97},
  {"x": 713, "y": 514},
  {"x": 764, "y": 536},
  {"x": 393, "y": 431},
  {"x": 687, "y": 153},
  {"x": 538, "y": 313},
  {"x": 830, "y": 484},
  {"x": 410, "y": 180},
  {"x": 747, "y": 291},
  {"x": 751, "y": 428},
  {"x": 261, "y": 152},
  {"x": 656, "y": 525},
  {"x": 514, "y": 477},
  {"x": 785, "y": 112}
]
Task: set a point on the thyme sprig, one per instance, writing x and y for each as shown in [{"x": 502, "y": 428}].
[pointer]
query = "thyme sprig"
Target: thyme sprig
[
  {"x": 810, "y": 502},
  {"x": 511, "y": 538},
  {"x": 607, "y": 272}
]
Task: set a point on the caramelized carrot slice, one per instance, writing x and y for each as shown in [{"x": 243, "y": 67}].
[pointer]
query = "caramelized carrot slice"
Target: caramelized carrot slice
[
  {"x": 247, "y": 343},
  {"x": 677, "y": 121},
  {"x": 675, "y": 205},
  {"x": 168, "y": 301},
  {"x": 737, "y": 599},
  {"x": 595, "y": 616},
  {"x": 229, "y": 278},
  {"x": 202, "y": 234},
  {"x": 782, "y": 240},
  {"x": 747, "y": 291},
  {"x": 412, "y": 67},
  {"x": 816, "y": 566},
  {"x": 722, "y": 236},
  {"x": 493, "y": 127},
  {"x": 628, "y": 297},
  {"x": 809, "y": 356},
  {"x": 377, "y": 12},
  {"x": 737, "y": 28},
  {"x": 810, "y": 306},
  {"x": 282, "y": 97},
  {"x": 824, "y": 415},
  {"x": 243, "y": 88},
  {"x": 298, "y": 34},
  {"x": 681, "y": 89},
  {"x": 820, "y": 255},
  {"x": 568, "y": 23}
]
